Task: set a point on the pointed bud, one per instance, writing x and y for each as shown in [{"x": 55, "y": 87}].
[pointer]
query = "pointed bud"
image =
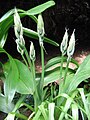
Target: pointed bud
[
  {"x": 71, "y": 46},
  {"x": 20, "y": 45},
  {"x": 40, "y": 29},
  {"x": 63, "y": 46},
  {"x": 32, "y": 52},
  {"x": 40, "y": 26},
  {"x": 17, "y": 24}
]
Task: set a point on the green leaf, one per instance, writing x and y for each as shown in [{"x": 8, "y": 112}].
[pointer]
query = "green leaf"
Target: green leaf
[
  {"x": 11, "y": 80},
  {"x": 66, "y": 107},
  {"x": 4, "y": 26},
  {"x": 2, "y": 42},
  {"x": 5, "y": 23},
  {"x": 56, "y": 60},
  {"x": 75, "y": 111},
  {"x": 43, "y": 111},
  {"x": 5, "y": 106},
  {"x": 25, "y": 83},
  {"x": 54, "y": 75},
  {"x": 82, "y": 73},
  {"x": 8, "y": 14},
  {"x": 37, "y": 115},
  {"x": 11, "y": 77},
  {"x": 68, "y": 103},
  {"x": 32, "y": 34},
  {"x": 10, "y": 116},
  {"x": 51, "y": 111},
  {"x": 81, "y": 90},
  {"x": 40, "y": 8}
]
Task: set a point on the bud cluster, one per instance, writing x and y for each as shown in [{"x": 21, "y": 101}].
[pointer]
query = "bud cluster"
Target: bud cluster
[
  {"x": 19, "y": 33},
  {"x": 70, "y": 49}
]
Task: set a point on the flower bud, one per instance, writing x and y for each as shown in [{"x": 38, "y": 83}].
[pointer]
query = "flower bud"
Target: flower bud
[
  {"x": 71, "y": 47},
  {"x": 20, "y": 45},
  {"x": 63, "y": 46},
  {"x": 40, "y": 29},
  {"x": 18, "y": 25},
  {"x": 40, "y": 26},
  {"x": 32, "y": 52}
]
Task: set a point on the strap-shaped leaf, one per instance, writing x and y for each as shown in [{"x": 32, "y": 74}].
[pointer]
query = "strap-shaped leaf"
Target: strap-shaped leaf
[
  {"x": 32, "y": 34},
  {"x": 40, "y": 8},
  {"x": 56, "y": 60},
  {"x": 82, "y": 73}
]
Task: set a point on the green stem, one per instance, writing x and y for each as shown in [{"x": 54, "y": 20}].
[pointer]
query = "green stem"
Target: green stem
[
  {"x": 37, "y": 100},
  {"x": 28, "y": 59},
  {"x": 28, "y": 106},
  {"x": 61, "y": 68},
  {"x": 42, "y": 74},
  {"x": 19, "y": 115},
  {"x": 25, "y": 60},
  {"x": 65, "y": 75},
  {"x": 35, "y": 94},
  {"x": 17, "y": 106},
  {"x": 33, "y": 69}
]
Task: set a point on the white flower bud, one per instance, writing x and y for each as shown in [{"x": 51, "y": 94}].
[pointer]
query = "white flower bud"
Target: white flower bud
[
  {"x": 40, "y": 26},
  {"x": 63, "y": 46},
  {"x": 32, "y": 52},
  {"x": 20, "y": 45},
  {"x": 40, "y": 29},
  {"x": 18, "y": 25},
  {"x": 71, "y": 47}
]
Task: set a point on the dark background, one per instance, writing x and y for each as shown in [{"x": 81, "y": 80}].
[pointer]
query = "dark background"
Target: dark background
[{"x": 73, "y": 14}]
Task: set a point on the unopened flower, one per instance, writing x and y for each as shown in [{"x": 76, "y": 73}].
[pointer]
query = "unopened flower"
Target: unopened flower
[
  {"x": 20, "y": 45},
  {"x": 19, "y": 33},
  {"x": 40, "y": 26},
  {"x": 32, "y": 52},
  {"x": 17, "y": 24},
  {"x": 71, "y": 47},
  {"x": 63, "y": 46},
  {"x": 40, "y": 29}
]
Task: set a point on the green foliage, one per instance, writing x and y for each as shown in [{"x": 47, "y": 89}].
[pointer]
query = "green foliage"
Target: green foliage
[
  {"x": 55, "y": 90},
  {"x": 25, "y": 81},
  {"x": 7, "y": 21}
]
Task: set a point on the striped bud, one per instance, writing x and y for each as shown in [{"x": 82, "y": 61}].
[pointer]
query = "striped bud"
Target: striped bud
[
  {"x": 71, "y": 46},
  {"x": 17, "y": 24},
  {"x": 40, "y": 26},
  {"x": 40, "y": 29},
  {"x": 20, "y": 45},
  {"x": 63, "y": 46},
  {"x": 32, "y": 52}
]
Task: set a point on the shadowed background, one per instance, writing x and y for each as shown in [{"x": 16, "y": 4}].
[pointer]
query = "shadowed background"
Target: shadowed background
[{"x": 73, "y": 14}]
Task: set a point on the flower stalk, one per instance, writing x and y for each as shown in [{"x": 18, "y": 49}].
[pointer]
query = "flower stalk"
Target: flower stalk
[
  {"x": 63, "y": 49},
  {"x": 70, "y": 52},
  {"x": 41, "y": 32}
]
